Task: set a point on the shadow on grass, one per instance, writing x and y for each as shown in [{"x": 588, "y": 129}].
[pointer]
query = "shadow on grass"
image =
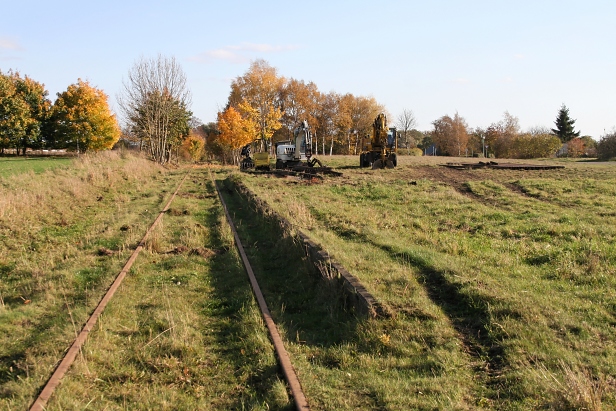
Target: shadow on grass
[
  {"x": 296, "y": 293},
  {"x": 315, "y": 311},
  {"x": 309, "y": 309},
  {"x": 232, "y": 293},
  {"x": 468, "y": 310}
]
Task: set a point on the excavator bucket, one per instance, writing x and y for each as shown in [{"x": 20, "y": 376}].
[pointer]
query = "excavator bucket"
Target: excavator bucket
[{"x": 377, "y": 164}]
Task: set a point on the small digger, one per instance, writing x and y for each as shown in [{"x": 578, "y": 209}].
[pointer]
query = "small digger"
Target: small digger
[{"x": 293, "y": 157}]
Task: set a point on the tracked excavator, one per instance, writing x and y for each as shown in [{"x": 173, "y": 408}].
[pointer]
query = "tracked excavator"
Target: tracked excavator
[
  {"x": 381, "y": 150},
  {"x": 296, "y": 152},
  {"x": 292, "y": 156}
]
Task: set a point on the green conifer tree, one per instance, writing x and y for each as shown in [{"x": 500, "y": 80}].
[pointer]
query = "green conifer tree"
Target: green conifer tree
[{"x": 564, "y": 126}]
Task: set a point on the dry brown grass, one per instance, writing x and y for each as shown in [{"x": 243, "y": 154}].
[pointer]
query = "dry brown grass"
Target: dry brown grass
[
  {"x": 51, "y": 196},
  {"x": 575, "y": 388}
]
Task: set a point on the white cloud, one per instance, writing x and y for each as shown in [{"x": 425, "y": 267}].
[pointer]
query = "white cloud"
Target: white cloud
[
  {"x": 241, "y": 53},
  {"x": 221, "y": 54},
  {"x": 7, "y": 43},
  {"x": 508, "y": 79},
  {"x": 519, "y": 56}
]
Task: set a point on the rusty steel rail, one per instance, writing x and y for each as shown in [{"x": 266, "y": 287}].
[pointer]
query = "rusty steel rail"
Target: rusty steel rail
[
  {"x": 290, "y": 375},
  {"x": 69, "y": 358}
]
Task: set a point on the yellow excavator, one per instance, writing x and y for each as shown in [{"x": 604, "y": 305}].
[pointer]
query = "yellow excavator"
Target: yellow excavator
[
  {"x": 255, "y": 155},
  {"x": 382, "y": 149}
]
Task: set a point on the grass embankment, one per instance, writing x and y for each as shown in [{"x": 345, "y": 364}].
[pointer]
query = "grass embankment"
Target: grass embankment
[
  {"x": 181, "y": 333},
  {"x": 501, "y": 284}
]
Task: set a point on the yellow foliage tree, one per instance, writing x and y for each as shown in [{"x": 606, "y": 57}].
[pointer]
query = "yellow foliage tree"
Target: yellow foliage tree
[
  {"x": 81, "y": 119},
  {"x": 256, "y": 95},
  {"x": 234, "y": 131},
  {"x": 193, "y": 146}
]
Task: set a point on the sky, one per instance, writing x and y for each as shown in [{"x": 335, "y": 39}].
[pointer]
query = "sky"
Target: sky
[{"x": 474, "y": 57}]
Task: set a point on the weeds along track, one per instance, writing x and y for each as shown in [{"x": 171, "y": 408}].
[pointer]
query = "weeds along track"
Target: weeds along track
[
  {"x": 41, "y": 401},
  {"x": 281, "y": 352},
  {"x": 359, "y": 298},
  {"x": 94, "y": 373}
]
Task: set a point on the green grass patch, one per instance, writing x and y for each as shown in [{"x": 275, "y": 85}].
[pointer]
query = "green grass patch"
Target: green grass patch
[
  {"x": 347, "y": 361},
  {"x": 19, "y": 165},
  {"x": 500, "y": 285},
  {"x": 184, "y": 332}
]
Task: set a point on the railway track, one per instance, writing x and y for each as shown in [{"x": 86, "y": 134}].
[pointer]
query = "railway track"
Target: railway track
[
  {"x": 72, "y": 352},
  {"x": 283, "y": 357}
]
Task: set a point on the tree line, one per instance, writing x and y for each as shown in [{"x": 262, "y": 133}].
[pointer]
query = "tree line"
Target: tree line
[
  {"x": 265, "y": 106},
  {"x": 155, "y": 103},
  {"x": 79, "y": 120},
  {"x": 505, "y": 139},
  {"x": 262, "y": 106}
]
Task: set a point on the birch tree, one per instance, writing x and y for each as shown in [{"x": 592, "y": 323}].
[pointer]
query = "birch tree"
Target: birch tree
[
  {"x": 405, "y": 123},
  {"x": 155, "y": 103}
]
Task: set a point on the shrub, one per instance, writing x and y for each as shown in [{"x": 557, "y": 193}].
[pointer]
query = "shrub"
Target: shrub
[
  {"x": 415, "y": 151},
  {"x": 606, "y": 149},
  {"x": 529, "y": 145}
]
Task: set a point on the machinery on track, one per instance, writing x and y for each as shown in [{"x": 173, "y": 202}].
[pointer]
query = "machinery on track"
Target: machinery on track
[
  {"x": 382, "y": 149},
  {"x": 296, "y": 152},
  {"x": 255, "y": 155},
  {"x": 293, "y": 157}
]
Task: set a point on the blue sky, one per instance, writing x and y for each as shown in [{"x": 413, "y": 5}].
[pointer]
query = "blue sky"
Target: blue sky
[{"x": 477, "y": 58}]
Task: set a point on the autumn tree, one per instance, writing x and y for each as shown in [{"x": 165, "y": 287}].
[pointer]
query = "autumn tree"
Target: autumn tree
[
  {"x": 450, "y": 135},
  {"x": 234, "y": 132},
  {"x": 363, "y": 112},
  {"x": 325, "y": 124},
  {"x": 405, "y": 123},
  {"x": 155, "y": 103},
  {"x": 81, "y": 119},
  {"x": 276, "y": 106},
  {"x": 210, "y": 132},
  {"x": 538, "y": 142},
  {"x": 500, "y": 136},
  {"x": 13, "y": 114},
  {"x": 564, "y": 125},
  {"x": 256, "y": 96},
  {"x": 193, "y": 146},
  {"x": 343, "y": 121},
  {"x": 575, "y": 147},
  {"x": 298, "y": 101}
]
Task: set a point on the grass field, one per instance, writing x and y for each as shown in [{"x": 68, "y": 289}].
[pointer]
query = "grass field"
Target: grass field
[
  {"x": 501, "y": 283},
  {"x": 18, "y": 165},
  {"x": 500, "y": 287},
  {"x": 183, "y": 332}
]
